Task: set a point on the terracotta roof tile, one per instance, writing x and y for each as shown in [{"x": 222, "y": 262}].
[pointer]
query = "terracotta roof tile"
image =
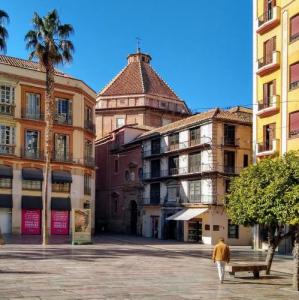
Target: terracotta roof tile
[
  {"x": 138, "y": 78},
  {"x": 26, "y": 64},
  {"x": 216, "y": 113}
]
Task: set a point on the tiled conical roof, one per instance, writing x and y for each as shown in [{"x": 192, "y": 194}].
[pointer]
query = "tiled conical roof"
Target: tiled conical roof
[{"x": 138, "y": 77}]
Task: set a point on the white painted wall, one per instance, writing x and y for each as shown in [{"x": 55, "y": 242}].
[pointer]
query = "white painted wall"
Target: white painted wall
[
  {"x": 183, "y": 163},
  {"x": 183, "y": 139},
  {"x": 206, "y": 160},
  {"x": 206, "y": 132}
]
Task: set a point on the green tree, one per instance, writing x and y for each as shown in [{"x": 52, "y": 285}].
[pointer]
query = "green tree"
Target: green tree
[
  {"x": 268, "y": 194},
  {"x": 4, "y": 19},
  {"x": 50, "y": 45}
]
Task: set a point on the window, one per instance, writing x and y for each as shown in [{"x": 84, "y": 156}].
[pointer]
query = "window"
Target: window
[
  {"x": 127, "y": 176},
  {"x": 120, "y": 122},
  {"x": 155, "y": 146},
  {"x": 229, "y": 162},
  {"x": 294, "y": 28},
  {"x": 33, "y": 104},
  {"x": 294, "y": 76},
  {"x": 269, "y": 136},
  {"x": 216, "y": 227},
  {"x": 87, "y": 184},
  {"x": 269, "y": 48},
  {"x": 294, "y": 124},
  {"x": 194, "y": 191},
  {"x": 140, "y": 172},
  {"x": 63, "y": 111},
  {"x": 269, "y": 90},
  {"x": 155, "y": 193},
  {"x": 207, "y": 227},
  {"x": 5, "y": 183},
  {"x": 33, "y": 185},
  {"x": 226, "y": 185},
  {"x": 116, "y": 165},
  {"x": 7, "y": 139},
  {"x": 88, "y": 118},
  {"x": 173, "y": 193},
  {"x": 195, "y": 162},
  {"x": 88, "y": 148},
  {"x": 173, "y": 165},
  {"x": 233, "y": 230},
  {"x": 61, "y": 187},
  {"x": 174, "y": 141},
  {"x": 31, "y": 144},
  {"x": 155, "y": 168},
  {"x": 61, "y": 147},
  {"x": 194, "y": 136},
  {"x": 229, "y": 134},
  {"x": 7, "y": 99},
  {"x": 245, "y": 160}
]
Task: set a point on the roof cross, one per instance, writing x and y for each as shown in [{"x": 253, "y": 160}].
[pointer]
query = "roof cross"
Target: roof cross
[{"x": 138, "y": 40}]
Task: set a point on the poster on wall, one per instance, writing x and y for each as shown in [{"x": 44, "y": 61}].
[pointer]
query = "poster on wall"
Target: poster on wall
[
  {"x": 81, "y": 226},
  {"x": 59, "y": 222},
  {"x": 31, "y": 221}
]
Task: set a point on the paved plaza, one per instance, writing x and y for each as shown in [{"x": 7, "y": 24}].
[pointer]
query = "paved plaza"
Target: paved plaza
[{"x": 120, "y": 267}]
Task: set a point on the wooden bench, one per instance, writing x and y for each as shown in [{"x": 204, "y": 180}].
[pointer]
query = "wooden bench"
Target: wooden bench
[{"x": 255, "y": 268}]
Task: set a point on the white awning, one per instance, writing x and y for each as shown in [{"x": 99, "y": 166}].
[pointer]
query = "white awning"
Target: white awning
[{"x": 187, "y": 214}]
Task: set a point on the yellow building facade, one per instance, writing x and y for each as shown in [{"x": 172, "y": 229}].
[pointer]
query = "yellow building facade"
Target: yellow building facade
[
  {"x": 22, "y": 138},
  {"x": 275, "y": 78}
]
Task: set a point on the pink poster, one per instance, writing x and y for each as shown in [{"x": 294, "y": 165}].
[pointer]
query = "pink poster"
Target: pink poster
[
  {"x": 59, "y": 222},
  {"x": 31, "y": 221}
]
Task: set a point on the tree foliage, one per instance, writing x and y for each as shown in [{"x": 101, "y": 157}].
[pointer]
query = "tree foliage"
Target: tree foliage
[
  {"x": 266, "y": 193},
  {"x": 4, "y": 19}
]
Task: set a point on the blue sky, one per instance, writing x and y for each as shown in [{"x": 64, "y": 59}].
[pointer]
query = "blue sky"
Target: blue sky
[{"x": 202, "y": 49}]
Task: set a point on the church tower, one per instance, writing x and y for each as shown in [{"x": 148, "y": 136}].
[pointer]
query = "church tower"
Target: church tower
[{"x": 137, "y": 95}]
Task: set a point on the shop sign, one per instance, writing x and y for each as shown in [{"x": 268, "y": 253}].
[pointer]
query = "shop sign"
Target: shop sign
[
  {"x": 59, "y": 222},
  {"x": 31, "y": 221},
  {"x": 81, "y": 226}
]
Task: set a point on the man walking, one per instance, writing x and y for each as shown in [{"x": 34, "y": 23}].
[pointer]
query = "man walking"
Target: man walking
[{"x": 221, "y": 255}]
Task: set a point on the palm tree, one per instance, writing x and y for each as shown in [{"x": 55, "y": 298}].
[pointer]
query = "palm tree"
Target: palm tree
[
  {"x": 50, "y": 45},
  {"x": 4, "y": 18}
]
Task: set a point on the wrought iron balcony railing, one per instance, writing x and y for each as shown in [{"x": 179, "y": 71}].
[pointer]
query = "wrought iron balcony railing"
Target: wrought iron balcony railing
[
  {"x": 32, "y": 116},
  {"x": 34, "y": 154},
  {"x": 7, "y": 149},
  {"x": 89, "y": 161},
  {"x": 63, "y": 118},
  {"x": 90, "y": 126},
  {"x": 7, "y": 109},
  {"x": 65, "y": 157}
]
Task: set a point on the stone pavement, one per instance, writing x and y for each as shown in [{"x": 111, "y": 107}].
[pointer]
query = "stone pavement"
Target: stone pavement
[{"x": 120, "y": 267}]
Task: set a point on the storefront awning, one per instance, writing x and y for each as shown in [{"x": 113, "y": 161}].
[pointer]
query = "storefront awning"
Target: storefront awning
[
  {"x": 32, "y": 202},
  {"x": 61, "y": 177},
  {"x": 5, "y": 171},
  {"x": 61, "y": 204},
  {"x": 5, "y": 201},
  {"x": 187, "y": 214},
  {"x": 32, "y": 174}
]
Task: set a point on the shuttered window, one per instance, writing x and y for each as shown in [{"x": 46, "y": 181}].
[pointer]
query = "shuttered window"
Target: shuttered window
[
  {"x": 294, "y": 76},
  {"x": 294, "y": 28},
  {"x": 294, "y": 124}
]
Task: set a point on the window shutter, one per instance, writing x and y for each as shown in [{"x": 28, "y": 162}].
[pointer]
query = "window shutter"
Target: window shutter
[
  {"x": 265, "y": 96},
  {"x": 294, "y": 123},
  {"x": 295, "y": 25},
  {"x": 294, "y": 73}
]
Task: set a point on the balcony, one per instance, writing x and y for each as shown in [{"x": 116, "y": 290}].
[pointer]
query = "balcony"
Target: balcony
[
  {"x": 155, "y": 174},
  {"x": 153, "y": 200},
  {"x": 268, "y": 64},
  {"x": 294, "y": 85},
  {"x": 268, "y": 107},
  {"x": 90, "y": 126},
  {"x": 63, "y": 119},
  {"x": 89, "y": 161},
  {"x": 65, "y": 157},
  {"x": 267, "y": 148},
  {"x": 230, "y": 141},
  {"x": 177, "y": 171},
  {"x": 7, "y": 149},
  {"x": 34, "y": 154},
  {"x": 32, "y": 116},
  {"x": 268, "y": 20},
  {"x": 7, "y": 109},
  {"x": 198, "y": 199}
]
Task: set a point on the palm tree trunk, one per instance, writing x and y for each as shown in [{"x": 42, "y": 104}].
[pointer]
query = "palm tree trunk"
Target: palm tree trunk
[
  {"x": 271, "y": 249},
  {"x": 296, "y": 261},
  {"x": 49, "y": 112}
]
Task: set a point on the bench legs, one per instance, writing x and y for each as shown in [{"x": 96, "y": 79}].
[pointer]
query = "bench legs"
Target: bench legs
[
  {"x": 256, "y": 274},
  {"x": 232, "y": 274}
]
